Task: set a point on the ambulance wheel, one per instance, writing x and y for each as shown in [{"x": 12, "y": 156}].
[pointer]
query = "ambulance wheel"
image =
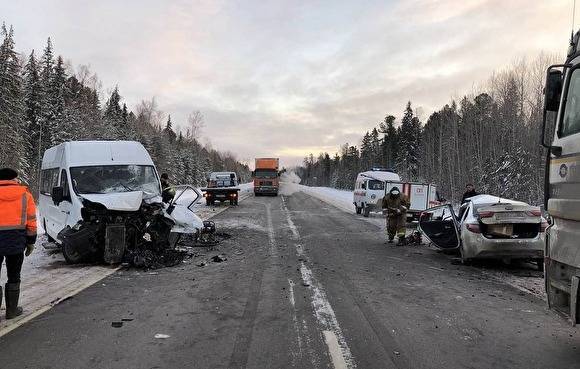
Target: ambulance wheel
[
  {"x": 366, "y": 211},
  {"x": 357, "y": 209}
]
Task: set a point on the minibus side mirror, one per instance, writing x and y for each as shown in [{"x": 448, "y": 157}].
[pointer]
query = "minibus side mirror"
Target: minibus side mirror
[{"x": 57, "y": 195}]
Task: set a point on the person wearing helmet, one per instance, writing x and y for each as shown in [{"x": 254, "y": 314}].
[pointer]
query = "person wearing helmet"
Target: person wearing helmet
[{"x": 395, "y": 205}]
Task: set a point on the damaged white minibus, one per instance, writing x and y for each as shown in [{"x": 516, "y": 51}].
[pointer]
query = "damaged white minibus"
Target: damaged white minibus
[{"x": 102, "y": 196}]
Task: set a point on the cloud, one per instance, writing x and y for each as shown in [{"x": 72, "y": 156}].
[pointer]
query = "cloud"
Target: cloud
[{"x": 290, "y": 78}]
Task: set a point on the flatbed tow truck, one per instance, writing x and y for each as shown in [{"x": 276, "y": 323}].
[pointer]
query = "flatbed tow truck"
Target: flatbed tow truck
[{"x": 222, "y": 187}]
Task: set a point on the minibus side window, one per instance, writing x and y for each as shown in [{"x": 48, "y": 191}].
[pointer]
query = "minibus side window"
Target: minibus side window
[
  {"x": 49, "y": 179},
  {"x": 64, "y": 185}
]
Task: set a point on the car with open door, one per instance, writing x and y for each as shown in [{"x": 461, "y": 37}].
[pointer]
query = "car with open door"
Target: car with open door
[
  {"x": 440, "y": 225},
  {"x": 488, "y": 227}
]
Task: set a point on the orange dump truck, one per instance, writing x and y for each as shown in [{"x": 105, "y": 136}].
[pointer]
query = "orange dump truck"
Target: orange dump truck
[{"x": 266, "y": 176}]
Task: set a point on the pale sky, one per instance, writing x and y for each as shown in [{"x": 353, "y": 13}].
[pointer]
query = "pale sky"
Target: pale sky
[{"x": 286, "y": 78}]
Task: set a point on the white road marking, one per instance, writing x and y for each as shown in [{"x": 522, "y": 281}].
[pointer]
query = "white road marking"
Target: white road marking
[
  {"x": 335, "y": 350},
  {"x": 338, "y": 349}
]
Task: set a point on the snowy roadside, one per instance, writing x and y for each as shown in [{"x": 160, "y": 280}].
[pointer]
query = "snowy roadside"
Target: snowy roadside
[
  {"x": 528, "y": 282},
  {"x": 47, "y": 279}
]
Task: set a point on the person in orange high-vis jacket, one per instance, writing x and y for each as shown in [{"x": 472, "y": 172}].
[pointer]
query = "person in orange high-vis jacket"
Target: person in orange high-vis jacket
[{"x": 17, "y": 235}]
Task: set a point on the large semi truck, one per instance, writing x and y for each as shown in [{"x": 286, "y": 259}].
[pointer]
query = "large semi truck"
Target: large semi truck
[
  {"x": 266, "y": 176},
  {"x": 562, "y": 186}
]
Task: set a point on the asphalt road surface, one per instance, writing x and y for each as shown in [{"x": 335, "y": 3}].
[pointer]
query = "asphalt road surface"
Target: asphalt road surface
[{"x": 305, "y": 285}]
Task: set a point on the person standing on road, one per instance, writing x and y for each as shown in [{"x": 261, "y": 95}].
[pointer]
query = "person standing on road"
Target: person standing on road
[
  {"x": 167, "y": 193},
  {"x": 396, "y": 204},
  {"x": 469, "y": 192},
  {"x": 17, "y": 235}
]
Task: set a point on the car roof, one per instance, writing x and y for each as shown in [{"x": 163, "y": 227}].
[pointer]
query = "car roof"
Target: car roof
[
  {"x": 378, "y": 175},
  {"x": 491, "y": 199}
]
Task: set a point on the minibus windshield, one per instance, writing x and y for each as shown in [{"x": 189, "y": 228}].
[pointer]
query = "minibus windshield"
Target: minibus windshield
[{"x": 106, "y": 179}]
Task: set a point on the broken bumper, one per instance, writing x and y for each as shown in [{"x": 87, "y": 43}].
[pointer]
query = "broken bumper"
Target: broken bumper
[{"x": 477, "y": 246}]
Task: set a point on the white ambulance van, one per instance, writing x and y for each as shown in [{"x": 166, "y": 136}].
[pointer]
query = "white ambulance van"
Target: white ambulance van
[
  {"x": 372, "y": 186},
  {"x": 369, "y": 188}
]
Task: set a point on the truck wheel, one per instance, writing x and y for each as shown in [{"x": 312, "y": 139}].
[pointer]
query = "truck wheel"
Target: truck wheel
[
  {"x": 366, "y": 211},
  {"x": 357, "y": 209}
]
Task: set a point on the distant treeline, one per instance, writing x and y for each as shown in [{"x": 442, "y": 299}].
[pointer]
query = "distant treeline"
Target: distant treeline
[
  {"x": 43, "y": 103},
  {"x": 489, "y": 138}
]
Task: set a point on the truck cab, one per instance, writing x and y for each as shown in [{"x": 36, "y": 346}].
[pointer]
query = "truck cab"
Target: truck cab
[
  {"x": 266, "y": 176},
  {"x": 561, "y": 137}
]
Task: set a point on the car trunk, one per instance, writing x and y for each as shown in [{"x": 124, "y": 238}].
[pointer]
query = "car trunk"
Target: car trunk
[{"x": 509, "y": 221}]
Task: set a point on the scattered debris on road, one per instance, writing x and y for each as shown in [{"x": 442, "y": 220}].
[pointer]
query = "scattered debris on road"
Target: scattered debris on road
[{"x": 219, "y": 258}]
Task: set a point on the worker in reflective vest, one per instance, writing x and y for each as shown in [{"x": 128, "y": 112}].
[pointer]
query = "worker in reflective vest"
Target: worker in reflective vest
[{"x": 17, "y": 235}]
